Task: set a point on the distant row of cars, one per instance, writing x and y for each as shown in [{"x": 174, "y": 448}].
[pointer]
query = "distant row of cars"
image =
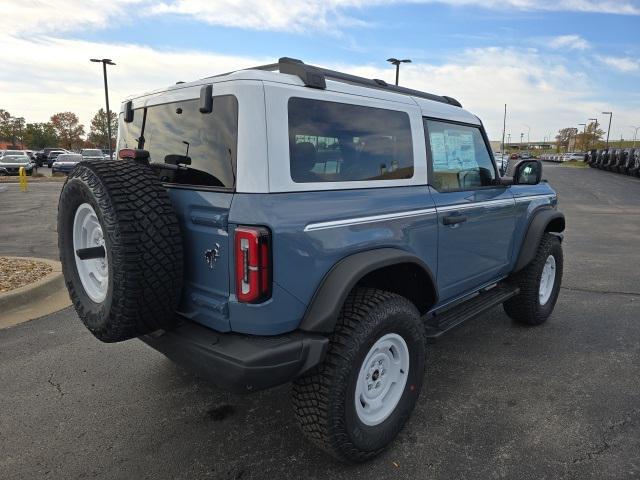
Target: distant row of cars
[
  {"x": 619, "y": 160},
  {"x": 58, "y": 159},
  {"x": 563, "y": 157},
  {"x": 47, "y": 156}
]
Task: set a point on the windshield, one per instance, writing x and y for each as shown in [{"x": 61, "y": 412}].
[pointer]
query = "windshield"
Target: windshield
[
  {"x": 65, "y": 157},
  {"x": 15, "y": 159},
  {"x": 92, "y": 153}
]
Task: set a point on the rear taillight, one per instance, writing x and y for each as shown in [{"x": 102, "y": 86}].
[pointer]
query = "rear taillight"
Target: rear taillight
[{"x": 253, "y": 264}]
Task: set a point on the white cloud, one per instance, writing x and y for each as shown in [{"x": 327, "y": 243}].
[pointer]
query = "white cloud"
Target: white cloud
[
  {"x": 622, "y": 64},
  {"x": 65, "y": 15},
  {"x": 44, "y": 75},
  {"x": 46, "y": 16},
  {"x": 568, "y": 42},
  {"x": 620, "y": 7},
  {"x": 330, "y": 15},
  {"x": 282, "y": 15}
]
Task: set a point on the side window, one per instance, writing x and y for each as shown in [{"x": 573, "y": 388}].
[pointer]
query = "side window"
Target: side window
[
  {"x": 338, "y": 142},
  {"x": 459, "y": 156}
]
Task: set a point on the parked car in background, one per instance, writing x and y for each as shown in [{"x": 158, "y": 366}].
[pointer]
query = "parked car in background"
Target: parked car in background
[
  {"x": 12, "y": 153},
  {"x": 53, "y": 154},
  {"x": 634, "y": 162},
  {"x": 573, "y": 156},
  {"x": 11, "y": 162},
  {"x": 91, "y": 154},
  {"x": 105, "y": 153},
  {"x": 502, "y": 161},
  {"x": 42, "y": 155},
  {"x": 65, "y": 162}
]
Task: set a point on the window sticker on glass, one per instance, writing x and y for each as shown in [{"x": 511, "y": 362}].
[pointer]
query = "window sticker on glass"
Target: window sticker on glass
[{"x": 438, "y": 149}]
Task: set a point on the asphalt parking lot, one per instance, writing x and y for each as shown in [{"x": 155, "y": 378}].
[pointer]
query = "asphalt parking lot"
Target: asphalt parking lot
[{"x": 499, "y": 400}]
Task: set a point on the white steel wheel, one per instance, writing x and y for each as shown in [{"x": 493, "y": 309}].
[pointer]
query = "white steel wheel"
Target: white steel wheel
[
  {"x": 547, "y": 280},
  {"x": 381, "y": 380},
  {"x": 93, "y": 273}
]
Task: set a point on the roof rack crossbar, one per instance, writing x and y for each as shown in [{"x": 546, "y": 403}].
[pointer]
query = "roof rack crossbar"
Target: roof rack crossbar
[{"x": 315, "y": 77}]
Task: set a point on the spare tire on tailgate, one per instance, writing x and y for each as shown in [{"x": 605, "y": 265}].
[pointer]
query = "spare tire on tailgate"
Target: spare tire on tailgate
[{"x": 120, "y": 248}]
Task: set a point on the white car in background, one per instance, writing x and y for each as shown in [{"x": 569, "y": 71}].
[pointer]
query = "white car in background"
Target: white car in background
[
  {"x": 502, "y": 161},
  {"x": 91, "y": 154},
  {"x": 573, "y": 156}
]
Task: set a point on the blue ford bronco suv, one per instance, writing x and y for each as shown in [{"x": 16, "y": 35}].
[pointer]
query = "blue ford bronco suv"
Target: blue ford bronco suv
[{"x": 292, "y": 223}]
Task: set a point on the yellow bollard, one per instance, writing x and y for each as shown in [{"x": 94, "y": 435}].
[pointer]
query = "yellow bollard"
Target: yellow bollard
[{"x": 23, "y": 179}]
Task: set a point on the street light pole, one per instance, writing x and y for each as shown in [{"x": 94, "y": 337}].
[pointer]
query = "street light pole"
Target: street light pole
[
  {"x": 595, "y": 129},
  {"x": 105, "y": 62},
  {"x": 504, "y": 126},
  {"x": 608, "y": 129},
  {"x": 528, "y": 136},
  {"x": 635, "y": 134},
  {"x": 584, "y": 134},
  {"x": 396, "y": 62}
]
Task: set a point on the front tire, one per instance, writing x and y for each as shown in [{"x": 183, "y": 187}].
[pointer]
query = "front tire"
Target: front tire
[
  {"x": 357, "y": 401},
  {"x": 539, "y": 284}
]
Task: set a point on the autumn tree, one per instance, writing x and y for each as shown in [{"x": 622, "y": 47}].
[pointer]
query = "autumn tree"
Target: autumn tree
[
  {"x": 4, "y": 124},
  {"x": 11, "y": 128},
  {"x": 563, "y": 139},
  {"x": 40, "y": 135},
  {"x": 590, "y": 137},
  {"x": 68, "y": 129},
  {"x": 99, "y": 133}
]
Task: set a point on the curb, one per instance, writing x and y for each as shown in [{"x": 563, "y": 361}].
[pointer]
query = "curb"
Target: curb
[{"x": 48, "y": 285}]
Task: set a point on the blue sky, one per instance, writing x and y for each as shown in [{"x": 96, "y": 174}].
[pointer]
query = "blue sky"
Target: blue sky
[{"x": 555, "y": 63}]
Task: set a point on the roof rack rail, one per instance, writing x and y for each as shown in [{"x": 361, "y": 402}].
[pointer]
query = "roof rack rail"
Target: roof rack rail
[{"x": 314, "y": 77}]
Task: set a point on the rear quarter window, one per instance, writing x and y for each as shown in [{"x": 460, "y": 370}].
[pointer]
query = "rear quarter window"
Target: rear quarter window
[{"x": 338, "y": 142}]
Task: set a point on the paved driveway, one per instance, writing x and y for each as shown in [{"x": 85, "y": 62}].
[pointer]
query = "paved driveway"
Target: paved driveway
[{"x": 500, "y": 400}]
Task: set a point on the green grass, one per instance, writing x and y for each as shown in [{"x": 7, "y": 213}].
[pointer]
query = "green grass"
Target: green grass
[{"x": 574, "y": 164}]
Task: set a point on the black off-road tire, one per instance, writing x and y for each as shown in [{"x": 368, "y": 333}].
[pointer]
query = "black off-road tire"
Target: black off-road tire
[
  {"x": 142, "y": 242},
  {"x": 324, "y": 399},
  {"x": 525, "y": 307}
]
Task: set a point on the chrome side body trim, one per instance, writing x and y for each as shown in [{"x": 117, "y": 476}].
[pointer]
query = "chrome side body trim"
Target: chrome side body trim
[{"x": 347, "y": 222}]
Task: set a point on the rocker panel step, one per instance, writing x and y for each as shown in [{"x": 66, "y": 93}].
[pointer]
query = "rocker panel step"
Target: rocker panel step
[{"x": 439, "y": 323}]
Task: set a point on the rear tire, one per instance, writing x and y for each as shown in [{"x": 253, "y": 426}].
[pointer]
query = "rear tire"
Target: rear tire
[
  {"x": 347, "y": 406},
  {"x": 538, "y": 296},
  {"x": 122, "y": 206}
]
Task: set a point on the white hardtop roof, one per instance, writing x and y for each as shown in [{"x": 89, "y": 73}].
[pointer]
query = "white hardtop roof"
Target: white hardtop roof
[{"x": 429, "y": 108}]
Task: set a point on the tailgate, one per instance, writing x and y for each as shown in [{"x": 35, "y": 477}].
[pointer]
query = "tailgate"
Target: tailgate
[{"x": 203, "y": 217}]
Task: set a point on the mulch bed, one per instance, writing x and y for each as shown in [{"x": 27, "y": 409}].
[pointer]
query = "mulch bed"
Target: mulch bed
[{"x": 17, "y": 272}]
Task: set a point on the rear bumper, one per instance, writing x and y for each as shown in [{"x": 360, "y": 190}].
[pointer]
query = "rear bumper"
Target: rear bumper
[{"x": 240, "y": 363}]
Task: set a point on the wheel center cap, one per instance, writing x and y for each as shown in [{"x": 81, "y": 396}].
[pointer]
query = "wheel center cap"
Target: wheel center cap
[{"x": 375, "y": 375}]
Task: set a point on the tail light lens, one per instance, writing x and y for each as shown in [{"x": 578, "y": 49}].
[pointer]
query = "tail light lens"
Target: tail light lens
[
  {"x": 253, "y": 264},
  {"x": 126, "y": 153}
]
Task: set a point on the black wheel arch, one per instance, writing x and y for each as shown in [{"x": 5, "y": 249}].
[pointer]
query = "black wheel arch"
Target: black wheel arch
[
  {"x": 390, "y": 269},
  {"x": 543, "y": 221}
]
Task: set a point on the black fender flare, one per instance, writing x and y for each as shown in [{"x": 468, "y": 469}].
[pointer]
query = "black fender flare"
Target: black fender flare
[
  {"x": 538, "y": 225},
  {"x": 324, "y": 308}
]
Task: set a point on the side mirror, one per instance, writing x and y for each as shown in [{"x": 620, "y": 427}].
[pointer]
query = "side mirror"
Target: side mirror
[{"x": 527, "y": 172}]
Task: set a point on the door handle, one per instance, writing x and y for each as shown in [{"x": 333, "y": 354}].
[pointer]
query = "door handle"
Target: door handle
[{"x": 454, "y": 219}]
